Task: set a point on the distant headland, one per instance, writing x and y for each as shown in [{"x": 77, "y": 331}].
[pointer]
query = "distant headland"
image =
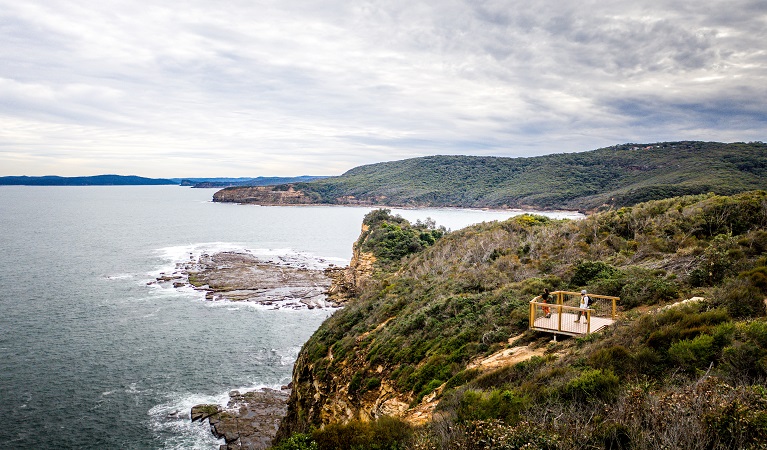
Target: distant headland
[
  {"x": 605, "y": 178},
  {"x": 132, "y": 180}
]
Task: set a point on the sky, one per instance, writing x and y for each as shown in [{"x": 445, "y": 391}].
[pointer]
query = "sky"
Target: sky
[{"x": 234, "y": 88}]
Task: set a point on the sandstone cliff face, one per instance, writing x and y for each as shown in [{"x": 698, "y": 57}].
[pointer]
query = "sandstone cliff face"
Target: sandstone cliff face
[
  {"x": 346, "y": 282},
  {"x": 322, "y": 397},
  {"x": 263, "y": 195},
  {"x": 288, "y": 194}
]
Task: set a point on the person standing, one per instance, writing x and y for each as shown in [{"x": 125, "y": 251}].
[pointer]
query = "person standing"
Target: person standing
[
  {"x": 583, "y": 305},
  {"x": 545, "y": 297}
]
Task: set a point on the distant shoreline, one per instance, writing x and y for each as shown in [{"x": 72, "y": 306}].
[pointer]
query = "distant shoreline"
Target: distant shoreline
[
  {"x": 97, "y": 180},
  {"x": 530, "y": 209}
]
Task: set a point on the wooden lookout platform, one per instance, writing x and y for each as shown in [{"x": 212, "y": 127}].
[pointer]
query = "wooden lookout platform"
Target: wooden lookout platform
[{"x": 561, "y": 316}]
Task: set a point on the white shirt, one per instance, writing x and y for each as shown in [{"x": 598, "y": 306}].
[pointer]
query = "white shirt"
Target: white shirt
[{"x": 584, "y": 301}]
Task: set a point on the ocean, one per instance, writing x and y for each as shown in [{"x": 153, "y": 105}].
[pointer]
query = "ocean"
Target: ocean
[{"x": 93, "y": 357}]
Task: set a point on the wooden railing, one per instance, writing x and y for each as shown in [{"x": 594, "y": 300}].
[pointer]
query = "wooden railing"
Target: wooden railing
[{"x": 560, "y": 316}]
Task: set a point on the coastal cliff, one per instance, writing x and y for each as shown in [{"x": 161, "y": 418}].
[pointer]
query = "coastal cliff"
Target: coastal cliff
[
  {"x": 436, "y": 337},
  {"x": 264, "y": 195},
  {"x": 346, "y": 282}
]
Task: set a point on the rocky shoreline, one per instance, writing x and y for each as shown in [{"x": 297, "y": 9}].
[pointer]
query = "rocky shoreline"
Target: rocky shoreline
[
  {"x": 240, "y": 276},
  {"x": 250, "y": 420}
]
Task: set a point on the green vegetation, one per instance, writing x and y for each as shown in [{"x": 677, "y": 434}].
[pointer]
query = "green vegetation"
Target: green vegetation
[
  {"x": 385, "y": 433},
  {"x": 620, "y": 175},
  {"x": 688, "y": 376},
  {"x": 390, "y": 238}
]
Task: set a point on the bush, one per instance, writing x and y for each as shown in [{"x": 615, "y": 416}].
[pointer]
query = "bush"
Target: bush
[
  {"x": 504, "y": 405},
  {"x": 298, "y": 441},
  {"x": 355, "y": 383},
  {"x": 384, "y": 433},
  {"x": 717, "y": 263},
  {"x": 494, "y": 434},
  {"x": 740, "y": 422},
  {"x": 758, "y": 278},
  {"x": 587, "y": 271},
  {"x": 616, "y": 358},
  {"x": 740, "y": 298},
  {"x": 646, "y": 287},
  {"x": 746, "y": 359},
  {"x": 693, "y": 354},
  {"x": 593, "y": 384}
]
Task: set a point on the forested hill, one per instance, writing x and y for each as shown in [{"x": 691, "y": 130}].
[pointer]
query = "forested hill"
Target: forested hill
[{"x": 617, "y": 176}]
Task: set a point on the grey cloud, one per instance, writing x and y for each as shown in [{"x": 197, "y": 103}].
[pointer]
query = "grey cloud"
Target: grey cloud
[{"x": 269, "y": 85}]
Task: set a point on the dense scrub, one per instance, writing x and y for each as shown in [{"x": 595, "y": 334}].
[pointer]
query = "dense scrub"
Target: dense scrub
[
  {"x": 682, "y": 377},
  {"x": 615, "y": 176},
  {"x": 390, "y": 238}
]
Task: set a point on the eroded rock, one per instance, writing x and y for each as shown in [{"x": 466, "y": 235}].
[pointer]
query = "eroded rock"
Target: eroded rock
[
  {"x": 240, "y": 276},
  {"x": 250, "y": 420}
]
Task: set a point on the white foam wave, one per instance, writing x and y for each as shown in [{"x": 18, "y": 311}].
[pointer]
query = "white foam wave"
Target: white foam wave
[
  {"x": 122, "y": 276},
  {"x": 185, "y": 253},
  {"x": 289, "y": 356},
  {"x": 173, "y": 255},
  {"x": 286, "y": 306},
  {"x": 174, "y": 418}
]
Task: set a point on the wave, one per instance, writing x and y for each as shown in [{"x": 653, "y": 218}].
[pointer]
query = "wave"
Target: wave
[
  {"x": 121, "y": 276},
  {"x": 171, "y": 421},
  {"x": 174, "y": 255}
]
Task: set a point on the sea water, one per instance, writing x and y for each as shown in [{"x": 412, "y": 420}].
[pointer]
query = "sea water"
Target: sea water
[{"x": 93, "y": 356}]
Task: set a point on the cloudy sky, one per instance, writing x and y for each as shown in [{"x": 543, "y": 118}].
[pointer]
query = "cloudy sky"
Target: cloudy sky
[{"x": 280, "y": 88}]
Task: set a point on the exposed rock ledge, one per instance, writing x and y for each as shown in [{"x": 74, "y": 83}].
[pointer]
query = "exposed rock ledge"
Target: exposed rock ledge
[
  {"x": 240, "y": 276},
  {"x": 250, "y": 420}
]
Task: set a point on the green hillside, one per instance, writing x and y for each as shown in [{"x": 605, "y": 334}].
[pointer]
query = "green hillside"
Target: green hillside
[
  {"x": 617, "y": 176},
  {"x": 691, "y": 376}
]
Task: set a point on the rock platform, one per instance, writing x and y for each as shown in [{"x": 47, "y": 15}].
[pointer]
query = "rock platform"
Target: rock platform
[
  {"x": 250, "y": 420},
  {"x": 241, "y": 276}
]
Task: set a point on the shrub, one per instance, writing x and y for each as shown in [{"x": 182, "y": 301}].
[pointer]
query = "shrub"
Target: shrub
[
  {"x": 531, "y": 220},
  {"x": 372, "y": 383},
  {"x": 298, "y": 441},
  {"x": 758, "y": 278},
  {"x": 616, "y": 358},
  {"x": 717, "y": 263},
  {"x": 494, "y": 434},
  {"x": 384, "y": 433},
  {"x": 740, "y": 422},
  {"x": 746, "y": 359},
  {"x": 504, "y": 405},
  {"x": 355, "y": 383},
  {"x": 646, "y": 287},
  {"x": 740, "y": 298},
  {"x": 390, "y": 238},
  {"x": 693, "y": 354},
  {"x": 461, "y": 378},
  {"x": 510, "y": 374},
  {"x": 593, "y": 384},
  {"x": 587, "y": 271}
]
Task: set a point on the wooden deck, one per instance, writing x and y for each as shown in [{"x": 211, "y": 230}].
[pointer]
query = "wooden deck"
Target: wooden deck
[
  {"x": 563, "y": 312},
  {"x": 568, "y": 325}
]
